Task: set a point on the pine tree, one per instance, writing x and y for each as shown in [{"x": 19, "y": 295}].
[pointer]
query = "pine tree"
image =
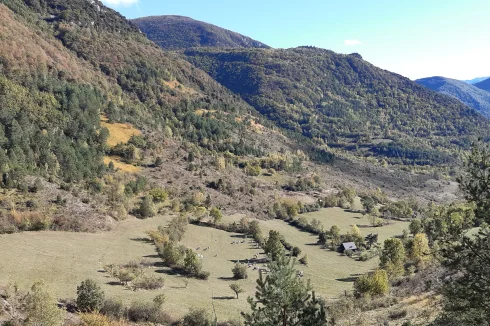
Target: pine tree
[
  {"x": 466, "y": 299},
  {"x": 90, "y": 296},
  {"x": 284, "y": 299}
]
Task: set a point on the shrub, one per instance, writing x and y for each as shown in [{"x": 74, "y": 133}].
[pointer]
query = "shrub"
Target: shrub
[
  {"x": 95, "y": 319},
  {"x": 147, "y": 209},
  {"x": 196, "y": 317},
  {"x": 253, "y": 170},
  {"x": 331, "y": 201},
  {"x": 113, "y": 308},
  {"x": 90, "y": 296},
  {"x": 37, "y": 186},
  {"x": 158, "y": 161},
  {"x": 374, "y": 284},
  {"x": 41, "y": 308},
  {"x": 348, "y": 252},
  {"x": 192, "y": 264},
  {"x": 296, "y": 251},
  {"x": 159, "y": 300},
  {"x": 159, "y": 195},
  {"x": 304, "y": 260},
  {"x": 398, "y": 314},
  {"x": 203, "y": 275},
  {"x": 148, "y": 282},
  {"x": 215, "y": 213},
  {"x": 158, "y": 237},
  {"x": 170, "y": 254},
  {"x": 125, "y": 276},
  {"x": 140, "y": 311},
  {"x": 239, "y": 271}
]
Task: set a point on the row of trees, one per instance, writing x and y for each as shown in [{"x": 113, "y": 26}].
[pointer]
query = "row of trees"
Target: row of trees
[{"x": 176, "y": 256}]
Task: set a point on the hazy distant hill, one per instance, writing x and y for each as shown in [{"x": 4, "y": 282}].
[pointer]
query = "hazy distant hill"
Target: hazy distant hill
[
  {"x": 177, "y": 32},
  {"x": 485, "y": 85},
  {"x": 345, "y": 102},
  {"x": 475, "y": 80},
  {"x": 468, "y": 94}
]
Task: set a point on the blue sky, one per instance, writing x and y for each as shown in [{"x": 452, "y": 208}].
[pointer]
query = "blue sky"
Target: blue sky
[{"x": 415, "y": 38}]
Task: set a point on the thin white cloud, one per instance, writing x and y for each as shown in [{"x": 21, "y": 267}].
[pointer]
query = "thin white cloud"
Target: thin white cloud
[
  {"x": 353, "y": 42},
  {"x": 123, "y": 3}
]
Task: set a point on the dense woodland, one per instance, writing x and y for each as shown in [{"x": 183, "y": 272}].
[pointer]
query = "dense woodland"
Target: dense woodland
[
  {"x": 343, "y": 101},
  {"x": 105, "y": 67},
  {"x": 177, "y": 33},
  {"x": 470, "y": 95}
]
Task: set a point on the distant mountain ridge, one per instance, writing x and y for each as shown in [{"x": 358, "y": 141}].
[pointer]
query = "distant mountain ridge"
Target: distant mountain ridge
[
  {"x": 485, "y": 85},
  {"x": 475, "y": 80},
  {"x": 178, "y": 32},
  {"x": 470, "y": 95},
  {"x": 345, "y": 102}
]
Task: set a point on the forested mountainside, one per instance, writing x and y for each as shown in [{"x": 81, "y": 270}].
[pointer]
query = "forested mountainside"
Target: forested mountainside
[
  {"x": 344, "y": 101},
  {"x": 468, "y": 94},
  {"x": 177, "y": 32},
  {"x": 65, "y": 63},
  {"x": 485, "y": 85}
]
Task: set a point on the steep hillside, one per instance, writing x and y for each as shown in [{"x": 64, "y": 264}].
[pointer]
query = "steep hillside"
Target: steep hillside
[
  {"x": 485, "y": 85},
  {"x": 343, "y": 101},
  {"x": 468, "y": 94},
  {"x": 80, "y": 86},
  {"x": 177, "y": 32},
  {"x": 50, "y": 47}
]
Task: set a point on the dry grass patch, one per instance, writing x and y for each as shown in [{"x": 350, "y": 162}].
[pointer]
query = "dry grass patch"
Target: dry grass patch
[
  {"x": 122, "y": 167},
  {"x": 173, "y": 84},
  {"x": 118, "y": 132}
]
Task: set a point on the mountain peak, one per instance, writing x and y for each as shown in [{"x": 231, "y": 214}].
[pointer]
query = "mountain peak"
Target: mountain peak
[{"x": 179, "y": 32}]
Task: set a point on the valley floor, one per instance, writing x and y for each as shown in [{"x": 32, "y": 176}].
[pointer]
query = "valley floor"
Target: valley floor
[{"x": 64, "y": 259}]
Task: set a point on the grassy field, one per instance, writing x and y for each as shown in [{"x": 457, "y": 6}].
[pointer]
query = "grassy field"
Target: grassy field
[
  {"x": 118, "y": 132},
  {"x": 122, "y": 167},
  {"x": 63, "y": 260}
]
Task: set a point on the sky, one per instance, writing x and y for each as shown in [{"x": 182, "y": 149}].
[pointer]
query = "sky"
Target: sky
[{"x": 415, "y": 38}]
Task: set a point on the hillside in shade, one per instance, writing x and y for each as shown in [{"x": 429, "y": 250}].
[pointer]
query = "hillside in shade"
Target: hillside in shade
[
  {"x": 475, "y": 80},
  {"x": 177, "y": 32},
  {"x": 485, "y": 85},
  {"x": 470, "y": 95}
]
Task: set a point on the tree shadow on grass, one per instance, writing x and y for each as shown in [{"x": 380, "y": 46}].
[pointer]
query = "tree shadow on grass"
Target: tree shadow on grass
[
  {"x": 151, "y": 256},
  {"x": 241, "y": 236},
  {"x": 349, "y": 210},
  {"x": 114, "y": 283},
  {"x": 225, "y": 278},
  {"x": 224, "y": 298},
  {"x": 168, "y": 272},
  {"x": 349, "y": 279},
  {"x": 144, "y": 240}
]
